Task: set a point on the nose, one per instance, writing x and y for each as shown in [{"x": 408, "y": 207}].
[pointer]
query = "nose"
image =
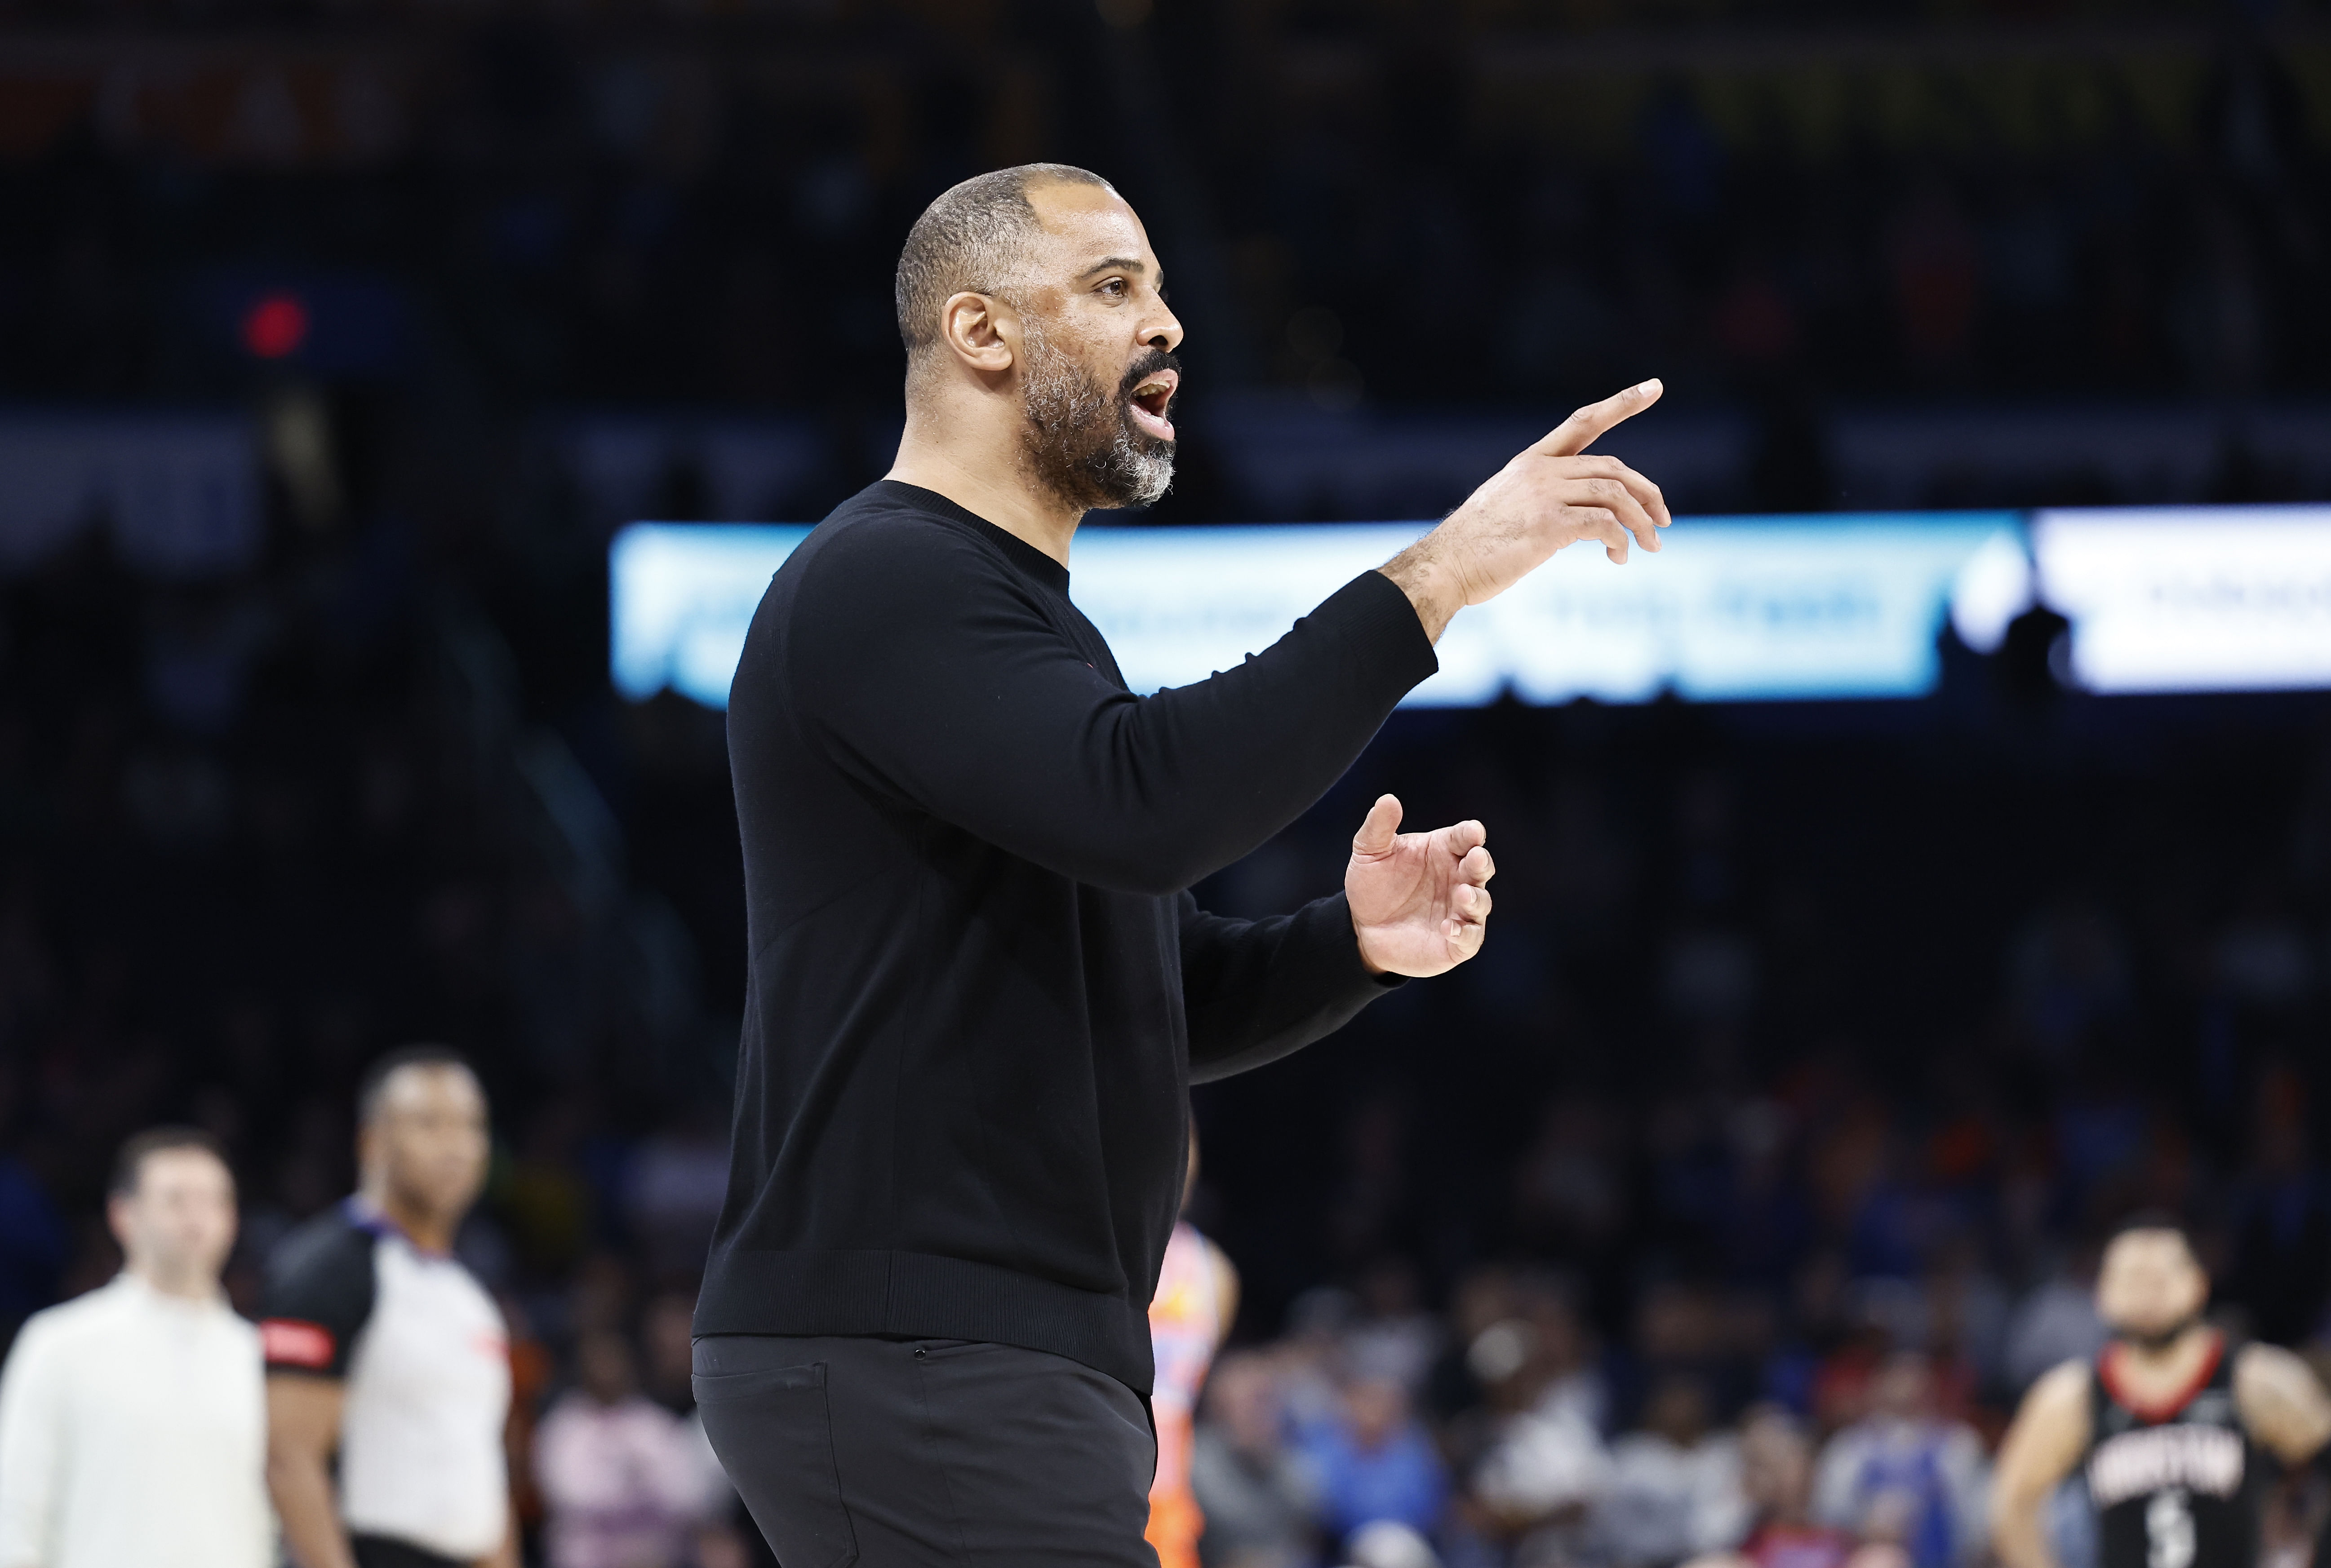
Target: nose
[{"x": 1166, "y": 333}]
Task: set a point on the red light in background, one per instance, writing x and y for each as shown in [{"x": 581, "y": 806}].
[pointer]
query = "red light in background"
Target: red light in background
[{"x": 275, "y": 326}]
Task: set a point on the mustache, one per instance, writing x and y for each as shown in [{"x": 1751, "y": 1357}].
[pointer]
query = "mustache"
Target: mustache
[{"x": 1147, "y": 365}]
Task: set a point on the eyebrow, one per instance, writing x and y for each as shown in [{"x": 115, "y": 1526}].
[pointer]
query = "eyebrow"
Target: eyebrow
[{"x": 1115, "y": 264}]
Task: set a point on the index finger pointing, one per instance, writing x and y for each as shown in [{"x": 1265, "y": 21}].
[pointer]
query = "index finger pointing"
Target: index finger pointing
[{"x": 1574, "y": 434}]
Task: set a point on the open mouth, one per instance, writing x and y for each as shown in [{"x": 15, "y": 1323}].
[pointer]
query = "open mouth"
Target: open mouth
[{"x": 1148, "y": 402}]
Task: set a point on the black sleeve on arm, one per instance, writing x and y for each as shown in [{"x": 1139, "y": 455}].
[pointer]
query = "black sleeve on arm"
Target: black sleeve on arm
[
  {"x": 319, "y": 1293},
  {"x": 1258, "y": 990},
  {"x": 936, "y": 674}
]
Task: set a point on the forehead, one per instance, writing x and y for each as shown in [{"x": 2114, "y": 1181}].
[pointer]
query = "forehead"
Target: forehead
[
  {"x": 181, "y": 1166},
  {"x": 1085, "y": 225},
  {"x": 431, "y": 1088},
  {"x": 2149, "y": 1250}
]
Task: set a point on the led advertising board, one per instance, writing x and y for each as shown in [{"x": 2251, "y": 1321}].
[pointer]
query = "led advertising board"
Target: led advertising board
[
  {"x": 2191, "y": 598},
  {"x": 1731, "y": 609}
]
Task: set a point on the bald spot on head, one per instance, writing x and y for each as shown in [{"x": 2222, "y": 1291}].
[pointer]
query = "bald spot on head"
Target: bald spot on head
[{"x": 975, "y": 239}]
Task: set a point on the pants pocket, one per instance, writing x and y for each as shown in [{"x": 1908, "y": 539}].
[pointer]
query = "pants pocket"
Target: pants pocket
[{"x": 775, "y": 1438}]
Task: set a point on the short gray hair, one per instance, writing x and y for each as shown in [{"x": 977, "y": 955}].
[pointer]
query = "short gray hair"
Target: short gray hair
[{"x": 972, "y": 239}]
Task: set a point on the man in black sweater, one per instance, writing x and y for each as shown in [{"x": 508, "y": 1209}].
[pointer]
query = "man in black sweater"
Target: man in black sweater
[{"x": 979, "y": 991}]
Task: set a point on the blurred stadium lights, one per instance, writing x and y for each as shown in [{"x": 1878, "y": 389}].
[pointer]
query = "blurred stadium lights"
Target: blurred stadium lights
[
  {"x": 342, "y": 325},
  {"x": 275, "y": 324},
  {"x": 2215, "y": 598}
]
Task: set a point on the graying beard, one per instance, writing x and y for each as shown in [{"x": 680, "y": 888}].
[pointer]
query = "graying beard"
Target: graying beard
[{"x": 1066, "y": 408}]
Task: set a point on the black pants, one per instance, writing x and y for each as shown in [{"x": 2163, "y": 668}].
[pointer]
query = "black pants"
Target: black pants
[
  {"x": 931, "y": 1452},
  {"x": 380, "y": 1552}
]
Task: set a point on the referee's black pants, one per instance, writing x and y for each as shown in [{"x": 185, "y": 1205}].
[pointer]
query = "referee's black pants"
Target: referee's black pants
[{"x": 928, "y": 1453}]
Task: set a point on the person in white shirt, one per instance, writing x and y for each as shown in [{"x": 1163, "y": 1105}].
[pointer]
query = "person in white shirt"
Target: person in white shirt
[
  {"x": 1674, "y": 1486},
  {"x": 133, "y": 1420}
]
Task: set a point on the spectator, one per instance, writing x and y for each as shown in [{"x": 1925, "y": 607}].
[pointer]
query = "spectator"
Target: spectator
[
  {"x": 133, "y": 1421},
  {"x": 1776, "y": 1475},
  {"x": 1396, "y": 1339},
  {"x": 1374, "y": 1462},
  {"x": 625, "y": 1480},
  {"x": 1904, "y": 1474},
  {"x": 1258, "y": 1497},
  {"x": 1385, "y": 1545},
  {"x": 1674, "y": 1487},
  {"x": 1547, "y": 1468},
  {"x": 2055, "y": 1322}
]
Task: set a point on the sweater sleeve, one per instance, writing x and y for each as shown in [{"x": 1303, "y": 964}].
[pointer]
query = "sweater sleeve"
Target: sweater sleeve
[
  {"x": 935, "y": 674},
  {"x": 32, "y": 1426},
  {"x": 1258, "y": 990}
]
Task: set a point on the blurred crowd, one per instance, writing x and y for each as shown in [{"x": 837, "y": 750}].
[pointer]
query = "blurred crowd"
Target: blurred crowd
[{"x": 1768, "y": 204}]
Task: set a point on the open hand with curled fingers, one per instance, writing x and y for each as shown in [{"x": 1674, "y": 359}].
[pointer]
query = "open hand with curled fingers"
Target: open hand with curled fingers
[{"x": 1420, "y": 901}]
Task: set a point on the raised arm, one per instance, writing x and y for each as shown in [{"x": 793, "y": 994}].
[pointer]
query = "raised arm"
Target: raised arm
[
  {"x": 942, "y": 683},
  {"x": 2041, "y": 1448}
]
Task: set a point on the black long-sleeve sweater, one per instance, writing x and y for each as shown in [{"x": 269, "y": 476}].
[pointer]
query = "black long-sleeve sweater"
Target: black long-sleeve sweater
[{"x": 978, "y": 990}]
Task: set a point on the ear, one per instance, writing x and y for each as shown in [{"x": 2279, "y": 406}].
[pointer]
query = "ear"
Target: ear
[
  {"x": 117, "y": 1219},
  {"x": 981, "y": 331}
]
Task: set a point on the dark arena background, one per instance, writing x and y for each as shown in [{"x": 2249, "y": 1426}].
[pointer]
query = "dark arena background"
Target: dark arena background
[{"x": 1822, "y": 1034}]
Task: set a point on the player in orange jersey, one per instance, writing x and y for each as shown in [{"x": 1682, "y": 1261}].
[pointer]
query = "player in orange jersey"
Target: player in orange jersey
[{"x": 1197, "y": 1301}]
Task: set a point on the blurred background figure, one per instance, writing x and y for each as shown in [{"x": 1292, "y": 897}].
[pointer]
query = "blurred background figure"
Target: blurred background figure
[
  {"x": 1258, "y": 1497},
  {"x": 1905, "y": 1475},
  {"x": 1776, "y": 1481},
  {"x": 1196, "y": 1302},
  {"x": 2173, "y": 1425},
  {"x": 1674, "y": 1487},
  {"x": 388, "y": 1366},
  {"x": 1374, "y": 1462},
  {"x": 626, "y": 1482},
  {"x": 133, "y": 1420}
]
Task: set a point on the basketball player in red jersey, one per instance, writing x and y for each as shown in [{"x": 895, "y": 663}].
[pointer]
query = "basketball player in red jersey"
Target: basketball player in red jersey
[
  {"x": 2168, "y": 1424},
  {"x": 1195, "y": 1304}
]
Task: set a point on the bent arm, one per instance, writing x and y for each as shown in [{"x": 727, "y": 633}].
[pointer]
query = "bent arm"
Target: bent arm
[
  {"x": 2041, "y": 1448},
  {"x": 303, "y": 1432},
  {"x": 2282, "y": 1403},
  {"x": 942, "y": 681},
  {"x": 1257, "y": 989}
]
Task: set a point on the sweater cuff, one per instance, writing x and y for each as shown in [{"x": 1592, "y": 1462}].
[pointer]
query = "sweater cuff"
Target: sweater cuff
[
  {"x": 1339, "y": 945},
  {"x": 1371, "y": 615}
]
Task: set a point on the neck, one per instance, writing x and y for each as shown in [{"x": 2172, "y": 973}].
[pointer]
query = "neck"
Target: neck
[
  {"x": 960, "y": 459},
  {"x": 165, "y": 1279},
  {"x": 2167, "y": 1351},
  {"x": 429, "y": 1231}
]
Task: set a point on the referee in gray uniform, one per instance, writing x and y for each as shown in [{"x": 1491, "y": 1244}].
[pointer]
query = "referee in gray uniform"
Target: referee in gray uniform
[
  {"x": 383, "y": 1354},
  {"x": 978, "y": 991}
]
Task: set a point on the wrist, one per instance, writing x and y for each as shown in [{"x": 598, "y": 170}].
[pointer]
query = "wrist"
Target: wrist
[
  {"x": 1360, "y": 941},
  {"x": 1433, "y": 589}
]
